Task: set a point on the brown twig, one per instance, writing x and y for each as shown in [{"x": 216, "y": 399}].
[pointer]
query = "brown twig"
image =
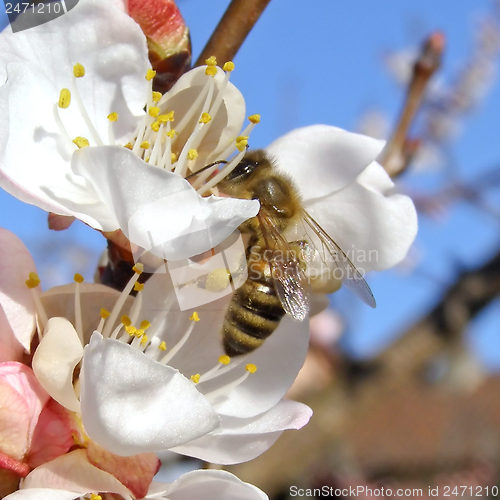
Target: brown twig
[
  {"x": 399, "y": 149},
  {"x": 233, "y": 28}
]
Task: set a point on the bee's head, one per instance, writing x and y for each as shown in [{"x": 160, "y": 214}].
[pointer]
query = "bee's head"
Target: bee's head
[{"x": 248, "y": 166}]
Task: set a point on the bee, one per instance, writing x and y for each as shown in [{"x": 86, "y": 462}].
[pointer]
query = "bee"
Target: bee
[{"x": 276, "y": 284}]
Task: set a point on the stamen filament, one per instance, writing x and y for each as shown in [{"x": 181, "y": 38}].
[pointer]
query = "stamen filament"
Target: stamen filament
[
  {"x": 93, "y": 131},
  {"x": 223, "y": 173},
  {"x": 170, "y": 354}
]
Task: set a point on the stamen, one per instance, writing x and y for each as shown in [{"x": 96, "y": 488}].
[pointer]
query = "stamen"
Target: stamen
[
  {"x": 226, "y": 389},
  {"x": 223, "y": 173},
  {"x": 150, "y": 74},
  {"x": 138, "y": 268},
  {"x": 112, "y": 117},
  {"x": 104, "y": 313},
  {"x": 78, "y": 70},
  {"x": 60, "y": 124},
  {"x": 78, "y": 307},
  {"x": 165, "y": 360},
  {"x": 32, "y": 283},
  {"x": 195, "y": 378},
  {"x": 156, "y": 96},
  {"x": 81, "y": 142}
]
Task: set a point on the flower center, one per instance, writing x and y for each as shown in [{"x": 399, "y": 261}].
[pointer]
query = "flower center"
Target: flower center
[{"x": 162, "y": 139}]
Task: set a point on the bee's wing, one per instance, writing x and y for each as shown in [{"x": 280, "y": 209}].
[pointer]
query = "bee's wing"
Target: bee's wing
[
  {"x": 289, "y": 279},
  {"x": 351, "y": 277}
]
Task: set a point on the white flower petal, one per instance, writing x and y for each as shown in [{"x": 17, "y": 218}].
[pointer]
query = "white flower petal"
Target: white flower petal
[
  {"x": 72, "y": 471},
  {"x": 42, "y": 494},
  {"x": 321, "y": 159},
  {"x": 210, "y": 485},
  {"x": 370, "y": 221},
  {"x": 55, "y": 359},
  {"x": 36, "y": 64},
  {"x": 131, "y": 404},
  {"x": 238, "y": 440},
  {"x": 16, "y": 300},
  {"x": 156, "y": 209}
]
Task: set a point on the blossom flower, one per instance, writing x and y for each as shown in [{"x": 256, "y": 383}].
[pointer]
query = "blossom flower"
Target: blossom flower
[
  {"x": 157, "y": 379},
  {"x": 82, "y": 85},
  {"x": 206, "y": 484}
]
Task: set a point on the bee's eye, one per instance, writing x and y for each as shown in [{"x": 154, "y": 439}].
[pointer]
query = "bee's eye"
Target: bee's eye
[{"x": 243, "y": 170}]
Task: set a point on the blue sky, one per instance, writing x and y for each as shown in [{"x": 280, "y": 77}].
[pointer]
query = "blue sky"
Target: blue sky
[{"x": 322, "y": 62}]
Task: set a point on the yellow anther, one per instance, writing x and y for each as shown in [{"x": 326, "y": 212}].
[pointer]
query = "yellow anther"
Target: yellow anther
[
  {"x": 154, "y": 111},
  {"x": 144, "y": 339},
  {"x": 128, "y": 145},
  {"x": 95, "y": 497},
  {"x": 242, "y": 138},
  {"x": 157, "y": 96},
  {"x": 192, "y": 154},
  {"x": 195, "y": 378},
  {"x": 194, "y": 316},
  {"x": 254, "y": 118},
  {"x": 104, "y": 313},
  {"x": 126, "y": 321},
  {"x": 145, "y": 144},
  {"x": 250, "y": 367},
  {"x": 112, "y": 117},
  {"x": 138, "y": 287},
  {"x": 145, "y": 324},
  {"x": 131, "y": 330},
  {"x": 241, "y": 143},
  {"x": 217, "y": 280},
  {"x": 33, "y": 280},
  {"x": 228, "y": 66},
  {"x": 64, "y": 98},
  {"x": 78, "y": 278},
  {"x": 205, "y": 118},
  {"x": 150, "y": 74},
  {"x": 224, "y": 359},
  {"x": 211, "y": 61},
  {"x": 173, "y": 158},
  {"x": 81, "y": 142},
  {"x": 171, "y": 133},
  {"x": 139, "y": 333},
  {"x": 138, "y": 268},
  {"x": 78, "y": 70},
  {"x": 155, "y": 126},
  {"x": 162, "y": 346},
  {"x": 167, "y": 117},
  {"x": 211, "y": 70}
]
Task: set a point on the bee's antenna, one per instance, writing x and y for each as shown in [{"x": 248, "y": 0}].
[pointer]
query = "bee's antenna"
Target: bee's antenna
[{"x": 205, "y": 168}]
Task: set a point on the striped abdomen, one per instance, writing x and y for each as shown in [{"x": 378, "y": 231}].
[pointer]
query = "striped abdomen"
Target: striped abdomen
[{"x": 254, "y": 313}]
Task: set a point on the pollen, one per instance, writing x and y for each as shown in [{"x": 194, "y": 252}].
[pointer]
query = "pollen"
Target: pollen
[
  {"x": 192, "y": 154},
  {"x": 194, "y": 317},
  {"x": 211, "y": 70},
  {"x": 224, "y": 359},
  {"x": 150, "y": 74},
  {"x": 126, "y": 321},
  {"x": 166, "y": 117},
  {"x": 205, "y": 118},
  {"x": 251, "y": 368},
  {"x": 173, "y": 158},
  {"x": 104, "y": 313},
  {"x": 81, "y": 142},
  {"x": 138, "y": 287},
  {"x": 228, "y": 66},
  {"x": 211, "y": 61},
  {"x": 145, "y": 145},
  {"x": 128, "y": 145},
  {"x": 33, "y": 280},
  {"x": 112, "y": 117},
  {"x": 64, "y": 98},
  {"x": 78, "y": 70},
  {"x": 162, "y": 346},
  {"x": 78, "y": 278},
  {"x": 144, "y": 339},
  {"x": 145, "y": 324},
  {"x": 217, "y": 280},
  {"x": 195, "y": 378},
  {"x": 171, "y": 133},
  {"x": 131, "y": 330},
  {"x": 241, "y": 142},
  {"x": 157, "y": 96},
  {"x": 254, "y": 118},
  {"x": 94, "y": 496},
  {"x": 138, "y": 268},
  {"x": 154, "y": 111},
  {"x": 155, "y": 126}
]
